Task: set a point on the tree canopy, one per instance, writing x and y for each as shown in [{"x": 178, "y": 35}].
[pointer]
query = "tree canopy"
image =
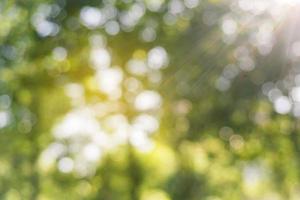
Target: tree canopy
[{"x": 149, "y": 99}]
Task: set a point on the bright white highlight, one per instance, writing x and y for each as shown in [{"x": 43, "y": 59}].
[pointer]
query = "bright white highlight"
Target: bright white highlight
[
  {"x": 92, "y": 152},
  {"x": 59, "y": 53},
  {"x": 147, "y": 100},
  {"x": 146, "y": 123},
  {"x": 282, "y": 105},
  {"x": 295, "y": 93},
  {"x": 229, "y": 26},
  {"x": 109, "y": 80},
  {"x": 100, "y": 58},
  {"x": 65, "y": 165},
  {"x": 157, "y": 58},
  {"x": 4, "y": 119},
  {"x": 91, "y": 17}
]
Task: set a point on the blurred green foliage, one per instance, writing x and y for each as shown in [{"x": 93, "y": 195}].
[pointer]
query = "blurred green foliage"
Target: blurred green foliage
[{"x": 146, "y": 100}]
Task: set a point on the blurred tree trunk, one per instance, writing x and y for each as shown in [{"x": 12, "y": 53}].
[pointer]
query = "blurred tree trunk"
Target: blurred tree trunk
[{"x": 135, "y": 173}]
